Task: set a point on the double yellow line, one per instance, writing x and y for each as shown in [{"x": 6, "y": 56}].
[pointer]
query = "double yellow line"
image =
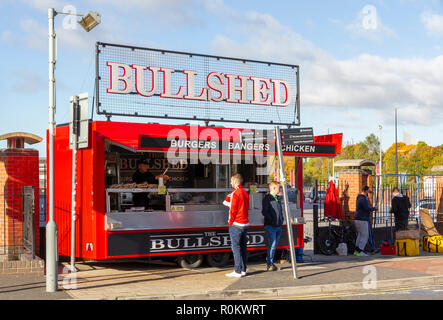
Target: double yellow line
[{"x": 358, "y": 293}]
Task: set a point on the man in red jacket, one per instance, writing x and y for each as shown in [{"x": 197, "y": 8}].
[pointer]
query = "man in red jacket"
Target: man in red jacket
[{"x": 238, "y": 203}]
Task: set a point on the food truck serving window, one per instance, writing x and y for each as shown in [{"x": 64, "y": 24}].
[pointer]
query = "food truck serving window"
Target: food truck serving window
[{"x": 197, "y": 178}]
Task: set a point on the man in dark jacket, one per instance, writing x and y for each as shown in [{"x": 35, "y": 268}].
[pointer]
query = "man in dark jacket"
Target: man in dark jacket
[
  {"x": 400, "y": 205},
  {"x": 272, "y": 211},
  {"x": 140, "y": 176},
  {"x": 362, "y": 221}
]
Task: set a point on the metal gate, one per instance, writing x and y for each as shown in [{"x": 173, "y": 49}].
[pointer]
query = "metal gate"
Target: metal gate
[
  {"x": 17, "y": 229},
  {"x": 423, "y": 194},
  {"x": 28, "y": 221}
]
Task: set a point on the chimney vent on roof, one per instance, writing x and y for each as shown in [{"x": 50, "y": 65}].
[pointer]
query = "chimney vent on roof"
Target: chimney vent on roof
[{"x": 17, "y": 140}]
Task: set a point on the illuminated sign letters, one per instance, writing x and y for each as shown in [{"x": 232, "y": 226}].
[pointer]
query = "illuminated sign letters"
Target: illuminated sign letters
[{"x": 232, "y": 88}]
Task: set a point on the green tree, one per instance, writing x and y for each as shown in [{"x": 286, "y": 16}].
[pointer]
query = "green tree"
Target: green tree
[{"x": 373, "y": 144}]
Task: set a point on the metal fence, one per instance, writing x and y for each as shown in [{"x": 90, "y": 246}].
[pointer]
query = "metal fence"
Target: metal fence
[{"x": 423, "y": 194}]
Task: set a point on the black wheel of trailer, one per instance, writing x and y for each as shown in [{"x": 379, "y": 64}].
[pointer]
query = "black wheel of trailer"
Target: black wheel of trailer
[
  {"x": 190, "y": 261},
  {"x": 327, "y": 243},
  {"x": 217, "y": 259}
]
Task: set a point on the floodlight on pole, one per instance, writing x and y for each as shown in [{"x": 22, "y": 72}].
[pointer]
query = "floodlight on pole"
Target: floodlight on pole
[{"x": 90, "y": 20}]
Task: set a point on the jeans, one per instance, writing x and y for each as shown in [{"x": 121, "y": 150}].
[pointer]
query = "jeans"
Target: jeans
[
  {"x": 273, "y": 235},
  {"x": 363, "y": 233},
  {"x": 239, "y": 240}
]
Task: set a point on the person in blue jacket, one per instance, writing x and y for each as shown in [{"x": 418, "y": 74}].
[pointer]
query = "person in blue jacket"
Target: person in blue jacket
[
  {"x": 272, "y": 210},
  {"x": 362, "y": 221}
]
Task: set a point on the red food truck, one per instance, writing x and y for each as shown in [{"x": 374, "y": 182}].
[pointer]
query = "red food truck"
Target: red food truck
[{"x": 185, "y": 217}]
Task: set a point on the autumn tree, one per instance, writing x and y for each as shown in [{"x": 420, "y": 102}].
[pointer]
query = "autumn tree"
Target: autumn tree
[{"x": 412, "y": 159}]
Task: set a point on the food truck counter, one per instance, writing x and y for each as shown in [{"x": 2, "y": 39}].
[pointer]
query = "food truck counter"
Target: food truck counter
[{"x": 180, "y": 214}]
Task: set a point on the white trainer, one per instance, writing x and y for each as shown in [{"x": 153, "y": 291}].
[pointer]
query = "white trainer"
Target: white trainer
[
  {"x": 234, "y": 275},
  {"x": 243, "y": 274},
  {"x": 363, "y": 254}
]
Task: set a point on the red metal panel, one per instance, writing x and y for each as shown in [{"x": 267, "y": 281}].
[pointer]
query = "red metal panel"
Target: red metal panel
[
  {"x": 98, "y": 181},
  {"x": 62, "y": 189},
  {"x": 85, "y": 232},
  {"x": 335, "y": 138}
]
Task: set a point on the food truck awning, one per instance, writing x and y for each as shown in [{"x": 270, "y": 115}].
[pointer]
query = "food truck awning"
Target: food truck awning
[{"x": 144, "y": 137}]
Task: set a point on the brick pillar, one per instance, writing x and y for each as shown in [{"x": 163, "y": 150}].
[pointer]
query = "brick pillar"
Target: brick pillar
[
  {"x": 351, "y": 182},
  {"x": 18, "y": 168}
]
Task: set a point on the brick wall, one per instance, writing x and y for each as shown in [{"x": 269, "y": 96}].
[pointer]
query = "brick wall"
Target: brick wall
[
  {"x": 351, "y": 182},
  {"x": 18, "y": 168},
  {"x": 36, "y": 266}
]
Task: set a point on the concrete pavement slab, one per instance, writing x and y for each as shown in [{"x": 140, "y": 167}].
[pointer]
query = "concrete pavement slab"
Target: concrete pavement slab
[
  {"x": 323, "y": 274},
  {"x": 146, "y": 280},
  {"x": 27, "y": 287},
  {"x": 111, "y": 282}
]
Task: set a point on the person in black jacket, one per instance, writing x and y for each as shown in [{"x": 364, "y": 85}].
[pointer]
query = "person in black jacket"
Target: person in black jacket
[
  {"x": 362, "y": 221},
  {"x": 140, "y": 176},
  {"x": 400, "y": 205},
  {"x": 272, "y": 211}
]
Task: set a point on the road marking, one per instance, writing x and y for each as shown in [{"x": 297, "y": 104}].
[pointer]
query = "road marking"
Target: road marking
[{"x": 360, "y": 293}]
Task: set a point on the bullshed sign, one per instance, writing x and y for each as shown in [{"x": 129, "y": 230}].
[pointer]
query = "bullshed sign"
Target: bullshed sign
[
  {"x": 219, "y": 86},
  {"x": 154, "y": 83}
]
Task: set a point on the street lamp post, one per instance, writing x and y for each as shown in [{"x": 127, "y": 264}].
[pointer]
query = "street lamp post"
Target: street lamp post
[
  {"x": 88, "y": 21},
  {"x": 380, "y": 179},
  {"x": 51, "y": 227},
  {"x": 396, "y": 151},
  {"x": 381, "y": 164}
]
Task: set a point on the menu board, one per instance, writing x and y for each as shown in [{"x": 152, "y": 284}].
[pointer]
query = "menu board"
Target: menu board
[{"x": 180, "y": 173}]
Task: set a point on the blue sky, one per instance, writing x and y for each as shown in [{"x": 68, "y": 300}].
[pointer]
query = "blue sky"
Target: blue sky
[{"x": 359, "y": 60}]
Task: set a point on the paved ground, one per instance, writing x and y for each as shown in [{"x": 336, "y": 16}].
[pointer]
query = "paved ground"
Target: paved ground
[
  {"x": 424, "y": 293},
  {"x": 27, "y": 287},
  {"x": 324, "y": 275}
]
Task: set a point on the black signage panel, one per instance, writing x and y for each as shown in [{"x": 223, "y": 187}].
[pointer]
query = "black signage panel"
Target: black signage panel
[
  {"x": 149, "y": 143},
  {"x": 257, "y": 135},
  {"x": 182, "y": 241},
  {"x": 314, "y": 149},
  {"x": 204, "y": 145},
  {"x": 297, "y": 136}
]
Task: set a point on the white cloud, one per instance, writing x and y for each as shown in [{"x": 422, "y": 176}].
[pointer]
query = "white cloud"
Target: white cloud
[
  {"x": 34, "y": 35},
  {"x": 365, "y": 82},
  {"x": 368, "y": 24},
  {"x": 42, "y": 5},
  {"x": 28, "y": 82},
  {"x": 176, "y": 12},
  {"x": 433, "y": 22}
]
